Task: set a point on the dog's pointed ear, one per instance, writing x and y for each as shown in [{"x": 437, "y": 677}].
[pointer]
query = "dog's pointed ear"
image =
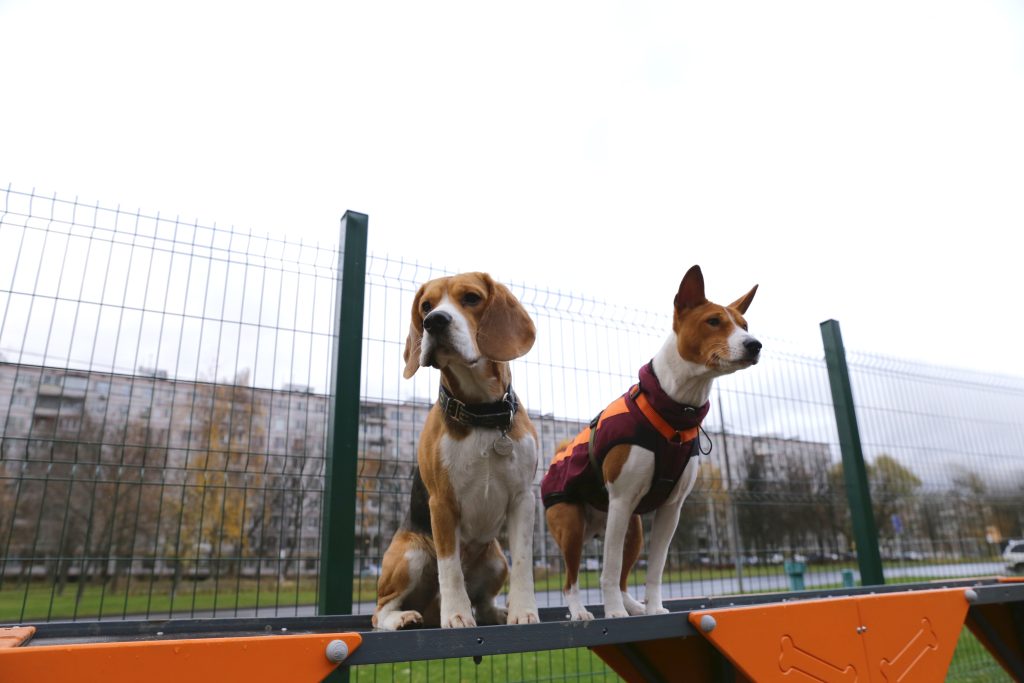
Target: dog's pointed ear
[
  {"x": 415, "y": 338},
  {"x": 691, "y": 290},
  {"x": 743, "y": 303},
  {"x": 505, "y": 330}
]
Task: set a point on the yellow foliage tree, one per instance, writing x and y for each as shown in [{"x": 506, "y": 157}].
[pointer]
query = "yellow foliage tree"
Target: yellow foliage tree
[{"x": 222, "y": 485}]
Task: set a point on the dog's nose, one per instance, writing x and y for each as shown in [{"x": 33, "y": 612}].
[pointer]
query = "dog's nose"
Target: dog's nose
[
  {"x": 437, "y": 321},
  {"x": 752, "y": 346}
]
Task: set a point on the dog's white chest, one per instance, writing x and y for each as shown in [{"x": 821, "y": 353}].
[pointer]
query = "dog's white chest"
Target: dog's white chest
[{"x": 485, "y": 481}]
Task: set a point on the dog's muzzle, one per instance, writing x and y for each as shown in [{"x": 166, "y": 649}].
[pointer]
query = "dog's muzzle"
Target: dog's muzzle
[
  {"x": 751, "y": 350},
  {"x": 436, "y": 326}
]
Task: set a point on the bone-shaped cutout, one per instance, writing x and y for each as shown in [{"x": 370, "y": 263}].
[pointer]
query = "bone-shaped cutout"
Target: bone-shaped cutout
[
  {"x": 923, "y": 641},
  {"x": 793, "y": 657}
]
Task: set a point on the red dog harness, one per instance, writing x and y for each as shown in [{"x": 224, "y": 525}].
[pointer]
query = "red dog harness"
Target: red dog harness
[{"x": 644, "y": 416}]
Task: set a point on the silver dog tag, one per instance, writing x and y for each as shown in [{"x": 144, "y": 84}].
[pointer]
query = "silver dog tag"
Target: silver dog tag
[{"x": 503, "y": 445}]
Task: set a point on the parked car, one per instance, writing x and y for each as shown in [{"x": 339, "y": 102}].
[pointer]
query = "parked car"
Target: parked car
[{"x": 1014, "y": 556}]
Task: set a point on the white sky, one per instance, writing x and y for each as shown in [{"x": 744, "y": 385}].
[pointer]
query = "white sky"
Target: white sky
[{"x": 861, "y": 161}]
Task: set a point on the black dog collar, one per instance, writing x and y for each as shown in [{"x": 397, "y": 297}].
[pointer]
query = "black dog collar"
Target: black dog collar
[{"x": 497, "y": 414}]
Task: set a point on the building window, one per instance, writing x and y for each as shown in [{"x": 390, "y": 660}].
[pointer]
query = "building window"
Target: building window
[
  {"x": 101, "y": 388},
  {"x": 70, "y": 423},
  {"x": 73, "y": 383},
  {"x": 47, "y": 403}
]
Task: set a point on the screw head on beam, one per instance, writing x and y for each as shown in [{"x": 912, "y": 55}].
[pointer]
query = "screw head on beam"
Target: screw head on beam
[
  {"x": 971, "y": 595},
  {"x": 708, "y": 623},
  {"x": 337, "y": 651}
]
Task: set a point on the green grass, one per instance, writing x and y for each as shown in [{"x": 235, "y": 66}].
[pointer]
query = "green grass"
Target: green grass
[
  {"x": 972, "y": 663},
  {"x": 577, "y": 664},
  {"x": 41, "y": 602}
]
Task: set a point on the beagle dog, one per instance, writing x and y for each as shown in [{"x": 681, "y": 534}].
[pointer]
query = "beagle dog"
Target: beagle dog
[
  {"x": 476, "y": 463},
  {"x": 638, "y": 454}
]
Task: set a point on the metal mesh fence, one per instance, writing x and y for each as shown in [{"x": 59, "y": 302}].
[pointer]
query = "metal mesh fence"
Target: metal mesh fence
[
  {"x": 945, "y": 455},
  {"x": 163, "y": 414},
  {"x": 164, "y": 411}
]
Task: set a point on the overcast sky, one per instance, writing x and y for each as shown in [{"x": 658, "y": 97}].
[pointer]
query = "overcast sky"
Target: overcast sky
[{"x": 860, "y": 161}]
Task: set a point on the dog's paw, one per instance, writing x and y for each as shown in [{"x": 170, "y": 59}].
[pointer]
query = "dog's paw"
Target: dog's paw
[
  {"x": 580, "y": 614},
  {"x": 652, "y": 609},
  {"x": 524, "y": 617},
  {"x": 457, "y": 620},
  {"x": 491, "y": 615},
  {"x": 633, "y": 607},
  {"x": 399, "y": 620},
  {"x": 615, "y": 613}
]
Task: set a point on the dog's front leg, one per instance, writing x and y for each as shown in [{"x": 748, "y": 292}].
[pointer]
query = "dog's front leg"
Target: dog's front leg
[
  {"x": 619, "y": 512},
  {"x": 456, "y": 610},
  {"x": 662, "y": 528},
  {"x": 522, "y": 602}
]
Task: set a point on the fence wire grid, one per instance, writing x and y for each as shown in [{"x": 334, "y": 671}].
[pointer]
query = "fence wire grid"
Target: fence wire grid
[{"x": 164, "y": 408}]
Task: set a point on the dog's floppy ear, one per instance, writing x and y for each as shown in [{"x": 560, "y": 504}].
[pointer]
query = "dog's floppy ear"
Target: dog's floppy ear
[
  {"x": 691, "y": 290},
  {"x": 743, "y": 303},
  {"x": 412, "y": 342},
  {"x": 505, "y": 330}
]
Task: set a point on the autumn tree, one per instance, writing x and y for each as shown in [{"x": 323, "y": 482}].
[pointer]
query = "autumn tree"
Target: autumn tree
[
  {"x": 893, "y": 489},
  {"x": 223, "y": 469},
  {"x": 709, "y": 501}
]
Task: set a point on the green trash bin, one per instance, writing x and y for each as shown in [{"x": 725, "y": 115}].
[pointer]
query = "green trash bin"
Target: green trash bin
[
  {"x": 847, "y": 578},
  {"x": 795, "y": 571}
]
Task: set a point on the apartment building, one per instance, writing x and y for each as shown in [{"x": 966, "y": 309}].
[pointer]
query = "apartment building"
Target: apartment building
[{"x": 97, "y": 465}]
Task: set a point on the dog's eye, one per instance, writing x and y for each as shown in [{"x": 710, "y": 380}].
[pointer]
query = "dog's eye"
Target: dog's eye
[
  {"x": 470, "y": 299},
  {"x": 714, "y": 322},
  {"x": 426, "y": 307}
]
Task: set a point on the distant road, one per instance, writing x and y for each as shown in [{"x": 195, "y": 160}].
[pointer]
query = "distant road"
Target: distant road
[{"x": 820, "y": 576}]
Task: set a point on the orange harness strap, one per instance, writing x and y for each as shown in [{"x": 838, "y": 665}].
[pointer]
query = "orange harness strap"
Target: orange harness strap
[{"x": 663, "y": 427}]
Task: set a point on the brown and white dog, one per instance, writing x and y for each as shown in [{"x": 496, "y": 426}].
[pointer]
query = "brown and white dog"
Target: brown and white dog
[
  {"x": 477, "y": 459},
  {"x": 637, "y": 456}
]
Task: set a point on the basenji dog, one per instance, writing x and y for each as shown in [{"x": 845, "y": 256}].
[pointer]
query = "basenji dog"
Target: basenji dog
[
  {"x": 637, "y": 455},
  {"x": 477, "y": 458}
]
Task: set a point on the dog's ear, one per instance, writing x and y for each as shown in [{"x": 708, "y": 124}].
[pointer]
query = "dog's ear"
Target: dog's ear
[
  {"x": 505, "y": 330},
  {"x": 415, "y": 338},
  {"x": 691, "y": 290},
  {"x": 743, "y": 303}
]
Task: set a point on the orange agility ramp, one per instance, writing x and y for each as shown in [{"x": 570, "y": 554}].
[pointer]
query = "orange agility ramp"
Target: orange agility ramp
[
  {"x": 269, "y": 658},
  {"x": 906, "y": 637}
]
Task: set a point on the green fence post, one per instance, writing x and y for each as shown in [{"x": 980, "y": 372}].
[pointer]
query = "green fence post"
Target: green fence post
[
  {"x": 855, "y": 474},
  {"x": 337, "y": 540}
]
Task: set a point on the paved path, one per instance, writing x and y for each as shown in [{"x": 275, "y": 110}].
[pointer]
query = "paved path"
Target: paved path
[{"x": 777, "y": 581}]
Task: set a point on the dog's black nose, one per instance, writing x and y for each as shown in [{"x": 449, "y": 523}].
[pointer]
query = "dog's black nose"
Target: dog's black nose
[
  {"x": 437, "y": 321},
  {"x": 752, "y": 346}
]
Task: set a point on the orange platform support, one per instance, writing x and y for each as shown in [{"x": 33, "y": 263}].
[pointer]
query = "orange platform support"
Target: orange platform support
[
  {"x": 906, "y": 637},
  {"x": 1000, "y": 628},
  {"x": 897, "y": 634},
  {"x": 270, "y": 658}
]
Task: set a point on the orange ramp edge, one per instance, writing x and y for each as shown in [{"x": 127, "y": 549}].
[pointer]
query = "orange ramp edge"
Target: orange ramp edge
[
  {"x": 15, "y": 635},
  {"x": 882, "y": 638},
  {"x": 252, "y": 659}
]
